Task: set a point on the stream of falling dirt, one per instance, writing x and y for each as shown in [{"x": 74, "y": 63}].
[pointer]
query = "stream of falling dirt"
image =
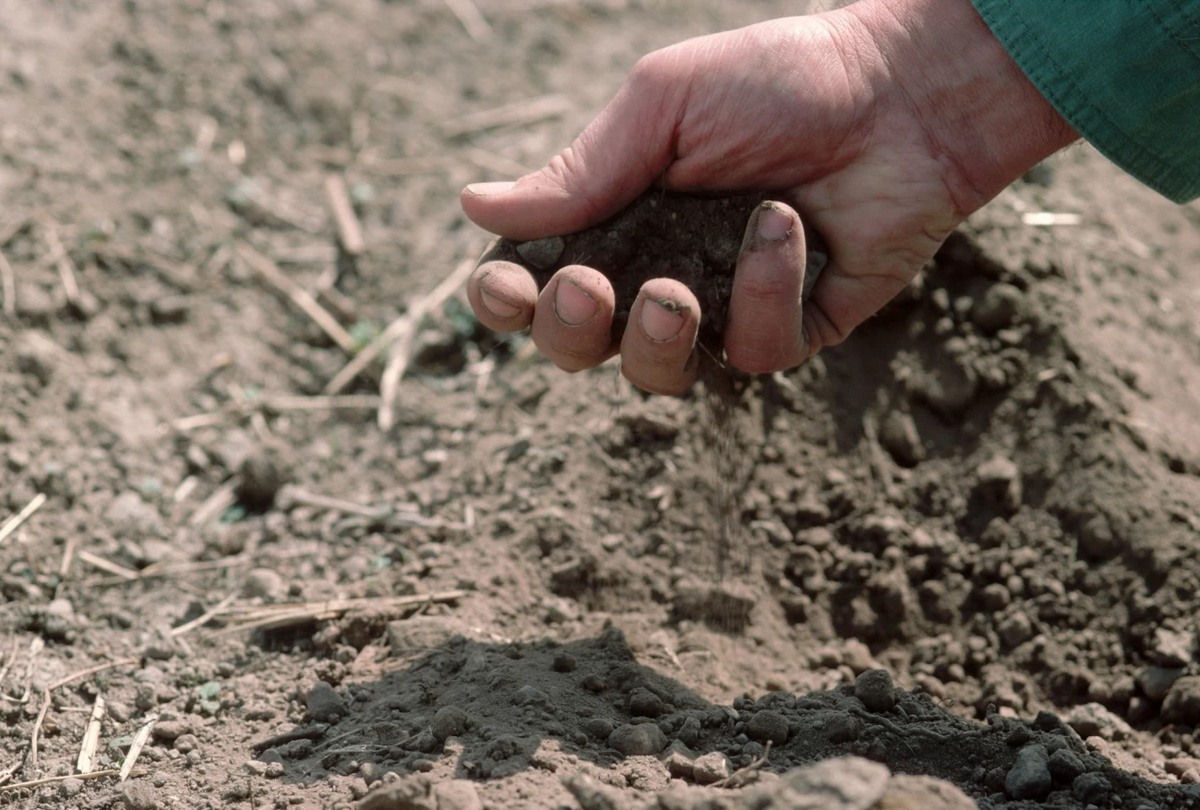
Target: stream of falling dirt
[{"x": 728, "y": 468}]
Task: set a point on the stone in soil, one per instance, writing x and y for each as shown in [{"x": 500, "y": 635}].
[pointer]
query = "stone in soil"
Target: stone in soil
[
  {"x": 876, "y": 690},
  {"x": 324, "y": 703},
  {"x": 137, "y": 794},
  {"x": 644, "y": 703},
  {"x": 898, "y": 435},
  {"x": 644, "y": 739},
  {"x": 262, "y": 473},
  {"x": 1182, "y": 704},
  {"x": 678, "y": 760},
  {"x": 1091, "y": 789},
  {"x": 591, "y": 793},
  {"x": 1093, "y": 720},
  {"x": 263, "y": 583},
  {"x": 710, "y": 768},
  {"x": 1156, "y": 682},
  {"x": 448, "y": 721},
  {"x": 1029, "y": 777},
  {"x": 998, "y": 308},
  {"x": 768, "y": 725},
  {"x": 1066, "y": 765},
  {"x": 170, "y": 730}
]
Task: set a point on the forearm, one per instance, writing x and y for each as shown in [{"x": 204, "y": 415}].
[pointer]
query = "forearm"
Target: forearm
[{"x": 985, "y": 120}]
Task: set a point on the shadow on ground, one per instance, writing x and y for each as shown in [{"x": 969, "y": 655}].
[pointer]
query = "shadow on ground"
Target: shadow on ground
[{"x": 470, "y": 710}]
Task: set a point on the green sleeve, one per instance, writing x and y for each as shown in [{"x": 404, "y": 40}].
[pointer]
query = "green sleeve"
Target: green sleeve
[{"x": 1124, "y": 73}]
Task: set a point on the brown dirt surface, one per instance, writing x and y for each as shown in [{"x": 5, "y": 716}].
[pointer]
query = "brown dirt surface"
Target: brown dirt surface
[{"x": 969, "y": 538}]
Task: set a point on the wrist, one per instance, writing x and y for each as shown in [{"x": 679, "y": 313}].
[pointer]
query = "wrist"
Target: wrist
[{"x": 984, "y": 119}]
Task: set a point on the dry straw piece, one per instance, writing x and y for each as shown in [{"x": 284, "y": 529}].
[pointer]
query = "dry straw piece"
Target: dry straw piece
[
  {"x": 91, "y": 737},
  {"x": 14, "y": 522},
  {"x": 135, "y": 749}
]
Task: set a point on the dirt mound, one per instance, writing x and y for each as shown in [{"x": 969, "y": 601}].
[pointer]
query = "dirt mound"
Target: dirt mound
[{"x": 489, "y": 713}]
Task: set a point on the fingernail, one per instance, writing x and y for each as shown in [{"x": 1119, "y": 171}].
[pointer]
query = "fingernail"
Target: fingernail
[
  {"x": 661, "y": 320},
  {"x": 489, "y": 189},
  {"x": 572, "y": 305},
  {"x": 773, "y": 225},
  {"x": 496, "y": 306}
]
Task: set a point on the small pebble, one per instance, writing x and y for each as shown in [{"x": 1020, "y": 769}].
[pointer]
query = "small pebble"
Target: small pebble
[
  {"x": 1029, "y": 777},
  {"x": 1091, "y": 788},
  {"x": 170, "y": 730},
  {"x": 564, "y": 663},
  {"x": 999, "y": 307},
  {"x": 644, "y": 703},
  {"x": 689, "y": 732},
  {"x": 263, "y": 583},
  {"x": 898, "y": 435},
  {"x": 678, "y": 760},
  {"x": 594, "y": 683},
  {"x": 531, "y": 696},
  {"x": 876, "y": 691},
  {"x": 1066, "y": 765},
  {"x": 449, "y": 721},
  {"x": 842, "y": 728},
  {"x": 118, "y": 711},
  {"x": 37, "y": 356},
  {"x": 768, "y": 725},
  {"x": 138, "y": 795},
  {"x": 146, "y": 697},
  {"x": 711, "y": 768},
  {"x": 262, "y": 476},
  {"x": 324, "y": 703},
  {"x": 641, "y": 740}
]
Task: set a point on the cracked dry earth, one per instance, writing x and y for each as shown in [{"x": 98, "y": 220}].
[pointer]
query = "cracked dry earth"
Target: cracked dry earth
[{"x": 967, "y": 542}]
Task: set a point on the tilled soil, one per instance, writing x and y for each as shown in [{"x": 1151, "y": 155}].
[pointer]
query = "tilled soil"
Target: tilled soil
[{"x": 967, "y": 538}]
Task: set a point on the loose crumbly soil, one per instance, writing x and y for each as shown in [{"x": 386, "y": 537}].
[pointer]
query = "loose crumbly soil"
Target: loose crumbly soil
[
  {"x": 695, "y": 240},
  {"x": 990, "y": 491}
]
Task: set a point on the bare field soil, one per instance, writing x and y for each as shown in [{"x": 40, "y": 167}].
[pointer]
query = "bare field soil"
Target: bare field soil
[{"x": 966, "y": 542}]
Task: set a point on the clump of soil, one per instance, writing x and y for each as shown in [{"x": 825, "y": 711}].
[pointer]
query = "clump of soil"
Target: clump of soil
[{"x": 661, "y": 234}]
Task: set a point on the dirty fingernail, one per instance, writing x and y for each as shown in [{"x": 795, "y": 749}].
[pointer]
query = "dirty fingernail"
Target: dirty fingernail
[
  {"x": 572, "y": 305},
  {"x": 659, "y": 322},
  {"x": 773, "y": 225},
  {"x": 494, "y": 305},
  {"x": 489, "y": 189}
]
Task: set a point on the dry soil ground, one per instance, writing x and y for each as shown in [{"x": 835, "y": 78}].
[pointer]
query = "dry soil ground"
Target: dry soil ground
[{"x": 511, "y": 596}]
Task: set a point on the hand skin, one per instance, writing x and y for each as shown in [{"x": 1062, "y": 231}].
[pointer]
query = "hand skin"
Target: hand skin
[{"x": 885, "y": 124}]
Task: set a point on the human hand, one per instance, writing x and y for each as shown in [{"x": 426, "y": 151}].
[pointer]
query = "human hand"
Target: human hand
[{"x": 885, "y": 124}]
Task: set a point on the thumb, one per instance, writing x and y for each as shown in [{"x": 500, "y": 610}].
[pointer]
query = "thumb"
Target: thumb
[{"x": 617, "y": 157}]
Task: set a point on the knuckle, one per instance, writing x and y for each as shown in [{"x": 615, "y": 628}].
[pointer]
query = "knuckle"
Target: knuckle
[
  {"x": 651, "y": 70},
  {"x": 774, "y": 289}
]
